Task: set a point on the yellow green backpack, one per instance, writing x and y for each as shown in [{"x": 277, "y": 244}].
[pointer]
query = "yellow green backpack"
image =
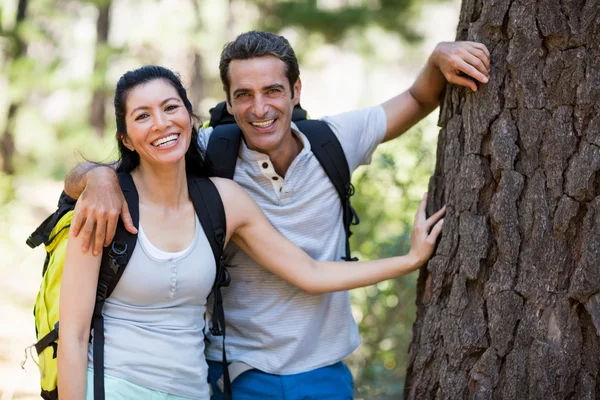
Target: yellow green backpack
[{"x": 54, "y": 232}]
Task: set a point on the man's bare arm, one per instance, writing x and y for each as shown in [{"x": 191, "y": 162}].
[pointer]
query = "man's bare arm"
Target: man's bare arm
[
  {"x": 99, "y": 205},
  {"x": 460, "y": 63},
  {"x": 76, "y": 179}
]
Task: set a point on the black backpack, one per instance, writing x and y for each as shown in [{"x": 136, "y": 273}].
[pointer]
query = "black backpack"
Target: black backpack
[
  {"x": 209, "y": 208},
  {"x": 224, "y": 144}
]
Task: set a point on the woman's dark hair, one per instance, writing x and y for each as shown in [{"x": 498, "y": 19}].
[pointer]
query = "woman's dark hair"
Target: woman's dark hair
[{"x": 195, "y": 161}]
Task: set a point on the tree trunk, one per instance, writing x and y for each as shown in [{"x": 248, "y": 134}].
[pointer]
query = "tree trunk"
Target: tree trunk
[
  {"x": 509, "y": 306},
  {"x": 98, "y": 106},
  {"x": 8, "y": 141}
]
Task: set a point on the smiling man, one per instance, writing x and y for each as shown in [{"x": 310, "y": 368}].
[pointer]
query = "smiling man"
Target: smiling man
[{"x": 285, "y": 343}]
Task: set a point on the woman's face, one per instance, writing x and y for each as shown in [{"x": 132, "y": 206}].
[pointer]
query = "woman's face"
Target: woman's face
[{"x": 159, "y": 127}]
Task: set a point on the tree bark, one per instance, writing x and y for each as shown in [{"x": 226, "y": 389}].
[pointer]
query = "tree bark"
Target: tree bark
[
  {"x": 509, "y": 306},
  {"x": 7, "y": 143},
  {"x": 98, "y": 106}
]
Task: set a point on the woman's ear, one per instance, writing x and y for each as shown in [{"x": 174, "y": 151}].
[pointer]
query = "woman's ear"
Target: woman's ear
[{"x": 126, "y": 142}]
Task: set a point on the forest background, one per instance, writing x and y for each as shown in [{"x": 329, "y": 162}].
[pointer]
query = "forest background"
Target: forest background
[{"x": 61, "y": 59}]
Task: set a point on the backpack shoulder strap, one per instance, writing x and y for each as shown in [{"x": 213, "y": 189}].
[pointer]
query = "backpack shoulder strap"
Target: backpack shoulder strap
[
  {"x": 219, "y": 115},
  {"x": 211, "y": 213},
  {"x": 114, "y": 261},
  {"x": 328, "y": 150},
  {"x": 223, "y": 148},
  {"x": 42, "y": 233}
]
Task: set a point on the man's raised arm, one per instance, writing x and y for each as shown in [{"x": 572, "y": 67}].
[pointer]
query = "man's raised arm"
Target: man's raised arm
[
  {"x": 100, "y": 202},
  {"x": 453, "y": 62}
]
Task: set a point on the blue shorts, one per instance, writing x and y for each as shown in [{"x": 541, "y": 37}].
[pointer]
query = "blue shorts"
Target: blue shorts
[{"x": 333, "y": 382}]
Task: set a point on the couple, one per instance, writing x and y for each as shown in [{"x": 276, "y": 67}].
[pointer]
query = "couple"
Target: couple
[{"x": 282, "y": 326}]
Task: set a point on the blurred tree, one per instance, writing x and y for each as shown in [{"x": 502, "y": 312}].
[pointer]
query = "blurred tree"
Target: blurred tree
[
  {"x": 17, "y": 50},
  {"x": 335, "y": 18},
  {"x": 509, "y": 306},
  {"x": 197, "y": 81},
  {"x": 387, "y": 194},
  {"x": 101, "y": 56}
]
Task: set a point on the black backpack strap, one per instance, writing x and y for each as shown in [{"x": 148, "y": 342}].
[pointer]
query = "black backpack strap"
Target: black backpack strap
[
  {"x": 211, "y": 213},
  {"x": 222, "y": 150},
  {"x": 114, "y": 261},
  {"x": 219, "y": 115},
  {"x": 42, "y": 233},
  {"x": 328, "y": 150}
]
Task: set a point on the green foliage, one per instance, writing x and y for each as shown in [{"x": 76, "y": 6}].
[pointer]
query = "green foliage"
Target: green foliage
[
  {"x": 334, "y": 19},
  {"x": 387, "y": 196}
]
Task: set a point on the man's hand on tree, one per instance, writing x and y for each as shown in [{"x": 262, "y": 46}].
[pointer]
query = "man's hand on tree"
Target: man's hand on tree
[
  {"x": 460, "y": 60},
  {"x": 98, "y": 208}
]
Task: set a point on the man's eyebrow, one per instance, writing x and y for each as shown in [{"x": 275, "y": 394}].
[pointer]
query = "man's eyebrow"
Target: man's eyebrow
[
  {"x": 264, "y": 88},
  {"x": 240, "y": 90},
  {"x": 161, "y": 103},
  {"x": 273, "y": 86}
]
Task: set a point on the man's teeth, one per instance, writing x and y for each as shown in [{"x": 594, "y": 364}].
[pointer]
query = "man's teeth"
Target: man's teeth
[
  {"x": 263, "y": 124},
  {"x": 163, "y": 141}
]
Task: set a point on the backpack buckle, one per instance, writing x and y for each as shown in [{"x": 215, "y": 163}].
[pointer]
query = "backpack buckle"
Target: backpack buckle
[
  {"x": 223, "y": 278},
  {"x": 216, "y": 331},
  {"x": 117, "y": 252},
  {"x": 117, "y": 249},
  {"x": 349, "y": 190},
  {"x": 220, "y": 236}
]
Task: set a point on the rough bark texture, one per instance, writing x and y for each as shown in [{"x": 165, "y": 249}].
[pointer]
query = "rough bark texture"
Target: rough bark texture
[
  {"x": 98, "y": 106},
  {"x": 509, "y": 306}
]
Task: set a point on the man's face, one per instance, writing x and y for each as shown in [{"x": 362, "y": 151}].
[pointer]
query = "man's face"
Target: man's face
[{"x": 262, "y": 102}]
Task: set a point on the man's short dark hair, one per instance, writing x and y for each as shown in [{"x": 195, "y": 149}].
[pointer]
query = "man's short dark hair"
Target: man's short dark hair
[{"x": 258, "y": 44}]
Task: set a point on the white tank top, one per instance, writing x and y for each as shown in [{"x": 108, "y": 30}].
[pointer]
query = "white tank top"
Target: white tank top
[{"x": 154, "y": 320}]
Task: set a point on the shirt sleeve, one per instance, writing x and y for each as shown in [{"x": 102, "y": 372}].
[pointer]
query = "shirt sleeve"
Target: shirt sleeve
[
  {"x": 203, "y": 136},
  {"x": 359, "y": 132}
]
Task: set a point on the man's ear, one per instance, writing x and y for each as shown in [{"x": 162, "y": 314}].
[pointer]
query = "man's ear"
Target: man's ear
[
  {"x": 228, "y": 104},
  {"x": 297, "y": 90}
]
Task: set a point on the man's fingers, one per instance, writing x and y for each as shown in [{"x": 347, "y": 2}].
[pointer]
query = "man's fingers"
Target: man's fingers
[
  {"x": 77, "y": 221},
  {"x": 481, "y": 47},
  {"x": 87, "y": 234},
  {"x": 476, "y": 62},
  {"x": 462, "y": 81},
  {"x": 472, "y": 71},
  {"x": 126, "y": 217},
  {"x": 99, "y": 235},
  {"x": 111, "y": 228},
  {"x": 482, "y": 57}
]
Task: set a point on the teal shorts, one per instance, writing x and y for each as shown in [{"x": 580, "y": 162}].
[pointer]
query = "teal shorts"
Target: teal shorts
[{"x": 120, "y": 389}]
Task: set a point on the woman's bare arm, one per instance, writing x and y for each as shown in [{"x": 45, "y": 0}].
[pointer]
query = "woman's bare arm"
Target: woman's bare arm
[
  {"x": 77, "y": 300},
  {"x": 248, "y": 227}
]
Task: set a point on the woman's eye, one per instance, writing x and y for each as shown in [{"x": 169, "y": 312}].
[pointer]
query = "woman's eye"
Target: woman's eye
[
  {"x": 141, "y": 116},
  {"x": 172, "y": 107}
]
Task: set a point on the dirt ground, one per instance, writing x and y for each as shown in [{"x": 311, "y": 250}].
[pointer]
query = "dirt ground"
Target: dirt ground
[{"x": 20, "y": 270}]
